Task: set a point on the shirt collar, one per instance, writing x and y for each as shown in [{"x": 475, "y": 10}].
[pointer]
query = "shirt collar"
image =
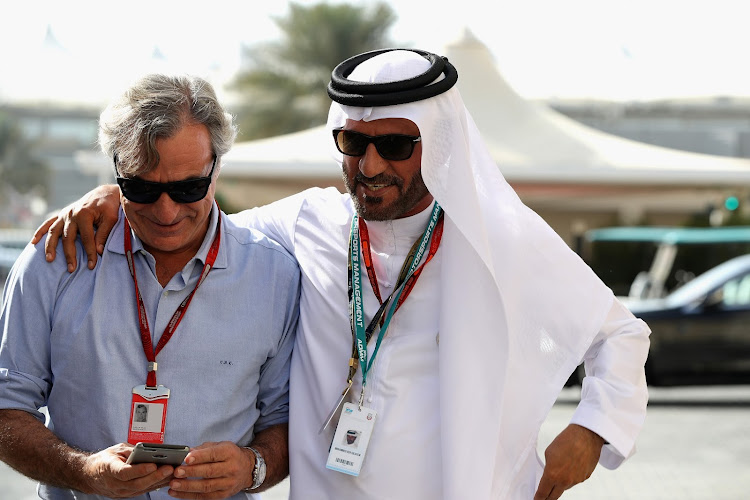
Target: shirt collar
[
  {"x": 115, "y": 242},
  {"x": 398, "y": 233}
]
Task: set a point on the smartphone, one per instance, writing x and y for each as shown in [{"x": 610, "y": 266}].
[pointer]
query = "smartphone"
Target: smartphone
[{"x": 162, "y": 454}]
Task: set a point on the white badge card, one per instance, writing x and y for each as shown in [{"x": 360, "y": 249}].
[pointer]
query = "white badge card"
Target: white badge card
[
  {"x": 351, "y": 439},
  {"x": 148, "y": 414}
]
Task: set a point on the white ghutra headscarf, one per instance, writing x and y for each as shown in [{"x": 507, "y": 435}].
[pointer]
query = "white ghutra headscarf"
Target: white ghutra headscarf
[{"x": 518, "y": 307}]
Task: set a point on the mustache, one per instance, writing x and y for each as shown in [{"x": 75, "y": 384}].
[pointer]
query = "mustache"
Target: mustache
[{"x": 378, "y": 179}]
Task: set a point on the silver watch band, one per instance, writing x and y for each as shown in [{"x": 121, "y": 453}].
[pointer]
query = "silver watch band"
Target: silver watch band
[{"x": 259, "y": 471}]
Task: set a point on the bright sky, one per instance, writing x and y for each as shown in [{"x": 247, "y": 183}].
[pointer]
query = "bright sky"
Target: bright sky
[{"x": 609, "y": 49}]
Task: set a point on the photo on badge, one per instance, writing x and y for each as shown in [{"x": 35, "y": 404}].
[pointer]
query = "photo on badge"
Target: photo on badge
[
  {"x": 141, "y": 413},
  {"x": 350, "y": 438},
  {"x": 147, "y": 417}
]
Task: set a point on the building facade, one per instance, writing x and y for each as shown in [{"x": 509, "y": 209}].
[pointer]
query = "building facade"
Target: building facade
[
  {"x": 56, "y": 133},
  {"x": 714, "y": 125}
]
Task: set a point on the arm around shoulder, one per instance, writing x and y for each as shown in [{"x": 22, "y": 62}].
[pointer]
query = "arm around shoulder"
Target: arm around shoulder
[{"x": 93, "y": 216}]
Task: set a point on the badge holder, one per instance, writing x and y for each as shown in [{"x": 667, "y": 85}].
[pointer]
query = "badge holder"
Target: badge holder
[
  {"x": 352, "y": 435},
  {"x": 148, "y": 414},
  {"x": 351, "y": 439}
]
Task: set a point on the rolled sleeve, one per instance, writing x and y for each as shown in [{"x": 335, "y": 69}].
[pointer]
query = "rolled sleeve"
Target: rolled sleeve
[
  {"x": 273, "y": 392},
  {"x": 28, "y": 302},
  {"x": 19, "y": 391}
]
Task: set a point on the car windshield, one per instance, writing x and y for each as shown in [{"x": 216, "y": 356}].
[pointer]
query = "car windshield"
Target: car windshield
[
  {"x": 650, "y": 262},
  {"x": 711, "y": 280}
]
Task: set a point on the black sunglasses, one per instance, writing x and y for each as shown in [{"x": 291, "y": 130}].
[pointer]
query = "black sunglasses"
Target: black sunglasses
[
  {"x": 187, "y": 191},
  {"x": 395, "y": 147}
]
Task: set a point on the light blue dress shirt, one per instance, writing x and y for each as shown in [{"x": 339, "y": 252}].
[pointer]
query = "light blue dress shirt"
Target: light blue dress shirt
[{"x": 71, "y": 342}]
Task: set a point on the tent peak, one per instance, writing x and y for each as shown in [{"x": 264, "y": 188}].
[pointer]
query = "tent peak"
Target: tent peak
[{"x": 466, "y": 38}]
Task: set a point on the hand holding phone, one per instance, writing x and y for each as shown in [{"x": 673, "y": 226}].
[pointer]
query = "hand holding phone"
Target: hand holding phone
[{"x": 161, "y": 454}]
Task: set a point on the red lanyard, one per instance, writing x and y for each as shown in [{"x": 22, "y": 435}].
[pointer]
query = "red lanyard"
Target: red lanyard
[
  {"x": 364, "y": 237},
  {"x": 366, "y": 256},
  {"x": 148, "y": 349}
]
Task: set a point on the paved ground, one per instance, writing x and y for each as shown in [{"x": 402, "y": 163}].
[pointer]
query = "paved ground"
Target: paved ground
[{"x": 695, "y": 446}]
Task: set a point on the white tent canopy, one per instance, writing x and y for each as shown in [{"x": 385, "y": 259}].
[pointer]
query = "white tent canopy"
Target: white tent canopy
[
  {"x": 531, "y": 143},
  {"x": 306, "y": 153}
]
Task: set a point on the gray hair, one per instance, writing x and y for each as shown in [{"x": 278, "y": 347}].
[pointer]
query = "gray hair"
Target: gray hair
[{"x": 158, "y": 106}]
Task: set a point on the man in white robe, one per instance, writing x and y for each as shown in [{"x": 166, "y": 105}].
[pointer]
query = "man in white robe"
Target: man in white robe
[{"x": 471, "y": 364}]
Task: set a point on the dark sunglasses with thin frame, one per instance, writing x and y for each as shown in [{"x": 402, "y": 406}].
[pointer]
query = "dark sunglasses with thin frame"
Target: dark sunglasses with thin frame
[
  {"x": 394, "y": 147},
  {"x": 187, "y": 191}
]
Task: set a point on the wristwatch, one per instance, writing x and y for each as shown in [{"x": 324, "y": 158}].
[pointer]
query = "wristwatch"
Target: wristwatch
[{"x": 259, "y": 471}]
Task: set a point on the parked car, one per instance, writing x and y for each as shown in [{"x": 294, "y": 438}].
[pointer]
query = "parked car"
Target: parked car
[{"x": 700, "y": 332}]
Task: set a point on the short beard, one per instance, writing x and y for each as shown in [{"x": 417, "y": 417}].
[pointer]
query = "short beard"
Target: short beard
[{"x": 372, "y": 210}]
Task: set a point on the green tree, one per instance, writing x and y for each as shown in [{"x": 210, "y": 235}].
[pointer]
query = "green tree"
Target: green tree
[
  {"x": 283, "y": 86},
  {"x": 20, "y": 169}
]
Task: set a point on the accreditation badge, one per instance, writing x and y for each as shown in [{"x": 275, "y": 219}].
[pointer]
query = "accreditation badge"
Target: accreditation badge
[
  {"x": 351, "y": 439},
  {"x": 148, "y": 414}
]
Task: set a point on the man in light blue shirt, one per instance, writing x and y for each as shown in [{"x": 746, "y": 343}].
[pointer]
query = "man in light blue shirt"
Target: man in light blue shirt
[{"x": 199, "y": 330}]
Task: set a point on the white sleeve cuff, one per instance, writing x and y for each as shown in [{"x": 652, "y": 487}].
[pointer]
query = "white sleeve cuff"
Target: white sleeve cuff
[{"x": 620, "y": 445}]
